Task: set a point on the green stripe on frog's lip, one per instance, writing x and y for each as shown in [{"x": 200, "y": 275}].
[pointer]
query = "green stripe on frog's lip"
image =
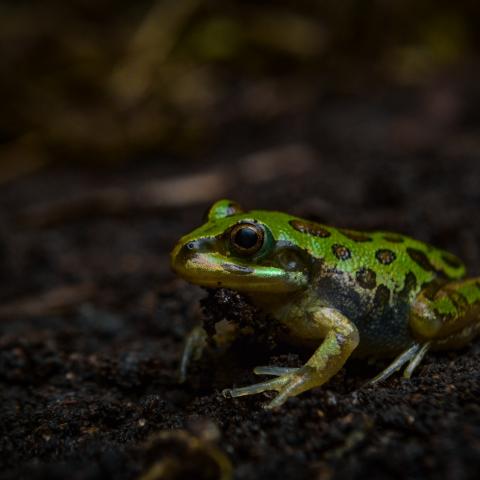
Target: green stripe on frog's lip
[{"x": 213, "y": 270}]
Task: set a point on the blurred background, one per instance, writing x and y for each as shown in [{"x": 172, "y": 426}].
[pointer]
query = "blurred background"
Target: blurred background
[{"x": 103, "y": 83}]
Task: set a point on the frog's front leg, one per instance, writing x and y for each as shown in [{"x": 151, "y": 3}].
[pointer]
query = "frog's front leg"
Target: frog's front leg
[
  {"x": 195, "y": 344},
  {"x": 340, "y": 339},
  {"x": 198, "y": 339}
]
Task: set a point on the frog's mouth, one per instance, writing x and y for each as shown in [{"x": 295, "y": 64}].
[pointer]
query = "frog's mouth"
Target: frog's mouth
[{"x": 215, "y": 270}]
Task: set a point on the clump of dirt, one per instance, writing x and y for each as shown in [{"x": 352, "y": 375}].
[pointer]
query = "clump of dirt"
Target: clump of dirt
[{"x": 227, "y": 305}]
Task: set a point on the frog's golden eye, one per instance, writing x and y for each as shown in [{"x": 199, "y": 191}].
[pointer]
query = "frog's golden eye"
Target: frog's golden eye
[{"x": 247, "y": 238}]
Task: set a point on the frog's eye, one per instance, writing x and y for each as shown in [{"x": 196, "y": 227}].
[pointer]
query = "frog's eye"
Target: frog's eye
[{"x": 247, "y": 238}]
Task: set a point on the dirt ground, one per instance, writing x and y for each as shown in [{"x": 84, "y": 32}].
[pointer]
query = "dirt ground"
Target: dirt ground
[{"x": 92, "y": 321}]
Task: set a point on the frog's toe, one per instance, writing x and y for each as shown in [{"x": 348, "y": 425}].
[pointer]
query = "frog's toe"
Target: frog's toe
[
  {"x": 274, "y": 384},
  {"x": 274, "y": 371},
  {"x": 398, "y": 363},
  {"x": 416, "y": 360},
  {"x": 297, "y": 383},
  {"x": 413, "y": 356}
]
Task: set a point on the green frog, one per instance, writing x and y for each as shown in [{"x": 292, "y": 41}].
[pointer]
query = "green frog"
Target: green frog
[{"x": 341, "y": 291}]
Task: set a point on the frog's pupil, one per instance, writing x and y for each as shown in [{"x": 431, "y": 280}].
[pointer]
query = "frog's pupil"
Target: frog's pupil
[{"x": 246, "y": 238}]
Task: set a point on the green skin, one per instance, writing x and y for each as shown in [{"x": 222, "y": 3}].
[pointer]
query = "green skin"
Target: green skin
[{"x": 343, "y": 291}]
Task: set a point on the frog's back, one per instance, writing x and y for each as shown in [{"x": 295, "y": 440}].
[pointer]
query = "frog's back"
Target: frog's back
[
  {"x": 374, "y": 277},
  {"x": 382, "y": 258},
  {"x": 388, "y": 258}
]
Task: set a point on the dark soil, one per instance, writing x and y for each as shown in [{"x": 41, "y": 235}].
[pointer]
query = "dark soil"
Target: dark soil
[{"x": 92, "y": 321}]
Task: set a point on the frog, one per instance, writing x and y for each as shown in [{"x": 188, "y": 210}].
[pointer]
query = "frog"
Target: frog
[{"x": 343, "y": 293}]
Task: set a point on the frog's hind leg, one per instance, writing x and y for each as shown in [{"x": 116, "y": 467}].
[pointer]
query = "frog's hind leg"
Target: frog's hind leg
[{"x": 448, "y": 317}]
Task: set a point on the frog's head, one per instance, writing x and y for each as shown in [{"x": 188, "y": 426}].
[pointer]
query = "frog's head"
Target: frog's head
[{"x": 245, "y": 251}]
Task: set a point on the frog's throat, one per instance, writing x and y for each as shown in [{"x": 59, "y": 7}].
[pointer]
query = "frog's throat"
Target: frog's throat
[{"x": 213, "y": 270}]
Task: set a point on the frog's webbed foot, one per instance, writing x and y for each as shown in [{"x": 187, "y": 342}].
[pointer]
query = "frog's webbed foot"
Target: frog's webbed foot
[
  {"x": 297, "y": 382},
  {"x": 447, "y": 319},
  {"x": 413, "y": 356},
  {"x": 261, "y": 387},
  {"x": 289, "y": 382},
  {"x": 283, "y": 374}
]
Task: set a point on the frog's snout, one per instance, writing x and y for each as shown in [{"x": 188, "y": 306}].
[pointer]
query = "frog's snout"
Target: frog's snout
[
  {"x": 193, "y": 258},
  {"x": 182, "y": 254}
]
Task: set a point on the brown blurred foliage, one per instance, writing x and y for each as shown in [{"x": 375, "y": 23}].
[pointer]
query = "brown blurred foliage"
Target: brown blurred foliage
[{"x": 107, "y": 81}]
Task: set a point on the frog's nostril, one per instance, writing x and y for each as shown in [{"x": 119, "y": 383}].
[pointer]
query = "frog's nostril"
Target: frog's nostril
[{"x": 190, "y": 246}]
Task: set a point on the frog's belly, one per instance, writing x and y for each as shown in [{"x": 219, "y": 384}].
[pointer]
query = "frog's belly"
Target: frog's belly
[
  {"x": 383, "y": 326},
  {"x": 385, "y": 334}
]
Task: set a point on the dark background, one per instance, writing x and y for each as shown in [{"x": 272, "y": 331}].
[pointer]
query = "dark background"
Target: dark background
[{"x": 120, "y": 123}]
